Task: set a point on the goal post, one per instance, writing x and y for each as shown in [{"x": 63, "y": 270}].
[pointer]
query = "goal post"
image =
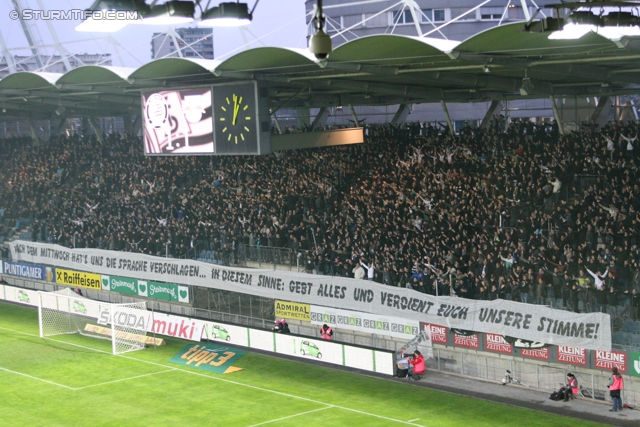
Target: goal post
[{"x": 65, "y": 312}]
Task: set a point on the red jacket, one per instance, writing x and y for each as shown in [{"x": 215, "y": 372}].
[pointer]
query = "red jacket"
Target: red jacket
[{"x": 418, "y": 364}]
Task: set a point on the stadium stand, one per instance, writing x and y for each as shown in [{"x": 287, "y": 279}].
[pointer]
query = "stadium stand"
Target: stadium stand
[{"x": 524, "y": 214}]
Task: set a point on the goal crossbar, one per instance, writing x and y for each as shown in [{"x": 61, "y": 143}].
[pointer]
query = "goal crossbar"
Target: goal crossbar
[{"x": 65, "y": 312}]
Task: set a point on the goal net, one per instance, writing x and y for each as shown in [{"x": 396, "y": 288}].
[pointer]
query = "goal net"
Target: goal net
[{"x": 65, "y": 312}]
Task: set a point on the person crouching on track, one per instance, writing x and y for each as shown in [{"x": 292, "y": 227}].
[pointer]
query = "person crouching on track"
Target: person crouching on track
[
  {"x": 417, "y": 361},
  {"x": 571, "y": 388}
]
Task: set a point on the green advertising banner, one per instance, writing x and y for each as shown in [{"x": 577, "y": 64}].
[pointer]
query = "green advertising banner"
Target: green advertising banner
[
  {"x": 635, "y": 363},
  {"x": 210, "y": 357},
  {"x": 121, "y": 285},
  {"x": 143, "y": 288}
]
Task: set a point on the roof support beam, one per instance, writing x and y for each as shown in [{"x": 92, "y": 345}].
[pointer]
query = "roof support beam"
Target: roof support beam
[
  {"x": 446, "y": 113},
  {"x": 136, "y": 126},
  {"x": 601, "y": 111},
  {"x": 34, "y": 134},
  {"x": 274, "y": 115},
  {"x": 63, "y": 121},
  {"x": 556, "y": 115},
  {"x": 490, "y": 112},
  {"x": 401, "y": 114},
  {"x": 355, "y": 117},
  {"x": 96, "y": 128},
  {"x": 321, "y": 119}
]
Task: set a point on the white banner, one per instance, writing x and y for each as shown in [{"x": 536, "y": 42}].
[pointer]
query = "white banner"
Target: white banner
[{"x": 526, "y": 321}]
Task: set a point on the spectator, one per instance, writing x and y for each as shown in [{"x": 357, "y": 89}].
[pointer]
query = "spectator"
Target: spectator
[{"x": 453, "y": 202}]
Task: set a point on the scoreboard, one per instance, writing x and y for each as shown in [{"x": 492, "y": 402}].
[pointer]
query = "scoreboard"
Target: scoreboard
[{"x": 213, "y": 120}]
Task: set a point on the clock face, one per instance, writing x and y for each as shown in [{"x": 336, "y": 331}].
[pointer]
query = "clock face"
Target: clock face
[{"x": 235, "y": 119}]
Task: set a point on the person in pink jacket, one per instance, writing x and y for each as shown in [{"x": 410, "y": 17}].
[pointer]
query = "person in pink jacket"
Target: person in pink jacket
[
  {"x": 418, "y": 365},
  {"x": 616, "y": 385}
]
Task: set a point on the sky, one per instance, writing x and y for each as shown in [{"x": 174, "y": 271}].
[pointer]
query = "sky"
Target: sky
[{"x": 275, "y": 23}]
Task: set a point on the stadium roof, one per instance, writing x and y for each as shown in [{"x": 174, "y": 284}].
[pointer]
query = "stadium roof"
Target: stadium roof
[{"x": 374, "y": 70}]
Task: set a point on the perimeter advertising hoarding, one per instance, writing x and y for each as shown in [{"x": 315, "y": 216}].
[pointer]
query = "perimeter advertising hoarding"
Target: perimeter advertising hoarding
[
  {"x": 147, "y": 289},
  {"x": 28, "y": 271},
  {"x": 364, "y": 322},
  {"x": 608, "y": 359},
  {"x": 78, "y": 279},
  {"x": 469, "y": 341},
  {"x": 438, "y": 333},
  {"x": 536, "y": 353},
  {"x": 635, "y": 363},
  {"x": 178, "y": 122},
  {"x": 572, "y": 355},
  {"x": 497, "y": 344}
]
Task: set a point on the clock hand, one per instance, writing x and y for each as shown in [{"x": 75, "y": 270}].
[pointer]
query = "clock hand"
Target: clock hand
[{"x": 236, "y": 110}]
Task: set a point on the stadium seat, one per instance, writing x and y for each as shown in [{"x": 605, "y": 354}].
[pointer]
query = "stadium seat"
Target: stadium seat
[
  {"x": 628, "y": 326},
  {"x": 617, "y": 337}
]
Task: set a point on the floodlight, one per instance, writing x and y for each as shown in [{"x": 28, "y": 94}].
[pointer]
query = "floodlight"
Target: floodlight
[
  {"x": 226, "y": 15},
  {"x": 170, "y": 13},
  {"x": 572, "y": 31}
]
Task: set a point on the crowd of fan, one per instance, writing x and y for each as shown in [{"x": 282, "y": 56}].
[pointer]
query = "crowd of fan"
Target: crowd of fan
[{"x": 524, "y": 214}]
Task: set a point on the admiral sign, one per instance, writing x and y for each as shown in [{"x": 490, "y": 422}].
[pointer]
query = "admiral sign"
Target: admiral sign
[
  {"x": 609, "y": 359},
  {"x": 497, "y": 344},
  {"x": 572, "y": 355}
]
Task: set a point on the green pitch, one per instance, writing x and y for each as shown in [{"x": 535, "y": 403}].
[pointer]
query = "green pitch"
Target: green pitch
[{"x": 75, "y": 381}]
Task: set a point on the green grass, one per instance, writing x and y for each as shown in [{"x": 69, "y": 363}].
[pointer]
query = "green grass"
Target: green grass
[{"x": 52, "y": 382}]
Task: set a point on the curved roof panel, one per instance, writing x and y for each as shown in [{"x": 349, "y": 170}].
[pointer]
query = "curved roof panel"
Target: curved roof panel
[
  {"x": 95, "y": 74},
  {"x": 388, "y": 48},
  {"x": 174, "y": 67},
  {"x": 375, "y": 70},
  {"x": 29, "y": 80},
  {"x": 268, "y": 59},
  {"x": 511, "y": 40}
]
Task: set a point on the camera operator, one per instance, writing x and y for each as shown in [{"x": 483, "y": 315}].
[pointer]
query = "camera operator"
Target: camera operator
[{"x": 571, "y": 387}]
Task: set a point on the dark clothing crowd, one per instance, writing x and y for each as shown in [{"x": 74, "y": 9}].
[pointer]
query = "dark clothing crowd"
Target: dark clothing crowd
[{"x": 523, "y": 214}]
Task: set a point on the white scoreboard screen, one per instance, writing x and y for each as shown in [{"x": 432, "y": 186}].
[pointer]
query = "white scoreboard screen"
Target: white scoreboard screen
[{"x": 178, "y": 122}]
